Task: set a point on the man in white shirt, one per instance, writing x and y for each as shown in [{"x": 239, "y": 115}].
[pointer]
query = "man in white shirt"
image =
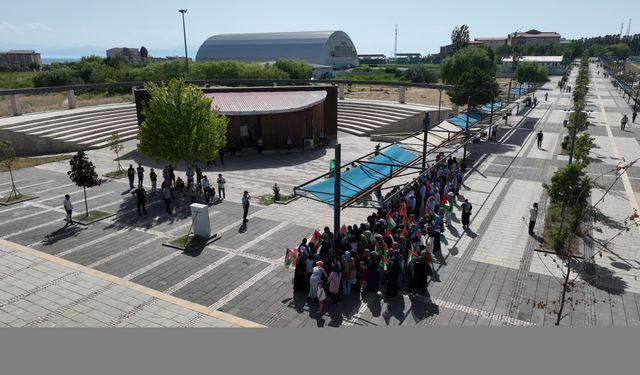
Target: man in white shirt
[
  {"x": 533, "y": 215},
  {"x": 68, "y": 207},
  {"x": 221, "y": 181}
]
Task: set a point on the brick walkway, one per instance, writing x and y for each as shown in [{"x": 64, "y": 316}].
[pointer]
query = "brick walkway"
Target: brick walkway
[{"x": 491, "y": 277}]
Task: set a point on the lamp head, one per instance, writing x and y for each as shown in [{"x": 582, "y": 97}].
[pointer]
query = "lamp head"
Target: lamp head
[{"x": 183, "y": 11}]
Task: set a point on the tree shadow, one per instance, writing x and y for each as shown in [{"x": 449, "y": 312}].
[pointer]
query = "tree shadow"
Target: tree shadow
[
  {"x": 127, "y": 215},
  {"x": 63, "y": 233},
  {"x": 600, "y": 277},
  {"x": 600, "y": 217}
]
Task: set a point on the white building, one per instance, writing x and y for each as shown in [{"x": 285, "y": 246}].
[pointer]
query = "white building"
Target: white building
[{"x": 554, "y": 64}]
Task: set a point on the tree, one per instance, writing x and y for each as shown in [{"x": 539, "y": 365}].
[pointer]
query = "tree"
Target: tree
[
  {"x": 620, "y": 51},
  {"x": 83, "y": 174},
  {"x": 143, "y": 52},
  {"x": 179, "y": 124},
  {"x": 7, "y": 156},
  {"x": 478, "y": 85},
  {"x": 460, "y": 37},
  {"x": 421, "y": 74},
  {"x": 532, "y": 73},
  {"x": 295, "y": 69},
  {"x": 115, "y": 145},
  {"x": 584, "y": 144},
  {"x": 465, "y": 60}
]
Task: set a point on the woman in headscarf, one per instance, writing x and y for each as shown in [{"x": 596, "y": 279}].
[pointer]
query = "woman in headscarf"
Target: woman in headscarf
[
  {"x": 421, "y": 270},
  {"x": 300, "y": 274},
  {"x": 316, "y": 276},
  {"x": 362, "y": 271},
  {"x": 373, "y": 273},
  {"x": 392, "y": 275},
  {"x": 334, "y": 284},
  {"x": 348, "y": 268}
]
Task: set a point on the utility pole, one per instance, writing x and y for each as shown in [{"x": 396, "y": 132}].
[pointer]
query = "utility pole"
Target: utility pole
[
  {"x": 466, "y": 130},
  {"x": 336, "y": 192},
  {"x": 395, "y": 43},
  {"x": 184, "y": 33},
  {"x": 425, "y": 130}
]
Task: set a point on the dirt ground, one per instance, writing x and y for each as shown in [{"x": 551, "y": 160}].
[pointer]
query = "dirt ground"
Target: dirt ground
[
  {"x": 48, "y": 102},
  {"x": 412, "y": 95}
]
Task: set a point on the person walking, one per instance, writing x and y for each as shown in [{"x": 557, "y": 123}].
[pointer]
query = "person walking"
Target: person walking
[
  {"x": 623, "y": 122},
  {"x": 141, "y": 199},
  {"x": 154, "y": 180},
  {"x": 131, "y": 173},
  {"x": 633, "y": 117},
  {"x": 466, "y": 213},
  {"x": 140, "y": 171},
  {"x": 166, "y": 196},
  {"x": 68, "y": 207},
  {"x": 546, "y": 96},
  {"x": 533, "y": 215},
  {"x": 540, "y": 136},
  {"x": 245, "y": 206},
  {"x": 221, "y": 181}
]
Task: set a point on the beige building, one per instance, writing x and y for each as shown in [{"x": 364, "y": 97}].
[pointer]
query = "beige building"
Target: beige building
[
  {"x": 492, "y": 43},
  {"x": 21, "y": 57},
  {"x": 533, "y": 37},
  {"x": 128, "y": 54}
]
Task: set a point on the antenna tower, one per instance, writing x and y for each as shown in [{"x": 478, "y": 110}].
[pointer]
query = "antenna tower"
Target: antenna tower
[{"x": 395, "y": 44}]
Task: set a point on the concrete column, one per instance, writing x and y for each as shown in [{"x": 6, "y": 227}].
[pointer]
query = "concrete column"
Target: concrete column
[
  {"x": 71, "y": 98},
  {"x": 15, "y": 105},
  {"x": 340, "y": 91},
  {"x": 401, "y": 94}
]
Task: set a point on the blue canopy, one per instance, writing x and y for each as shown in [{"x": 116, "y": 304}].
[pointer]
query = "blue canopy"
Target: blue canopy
[
  {"x": 363, "y": 176},
  {"x": 487, "y": 107},
  {"x": 461, "y": 119}
]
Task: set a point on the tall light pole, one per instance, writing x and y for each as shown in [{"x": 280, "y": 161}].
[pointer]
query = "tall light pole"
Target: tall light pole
[{"x": 184, "y": 32}]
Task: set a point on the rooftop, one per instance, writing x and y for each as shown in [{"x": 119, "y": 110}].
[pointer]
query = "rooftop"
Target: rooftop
[
  {"x": 534, "y": 59},
  {"x": 265, "y": 102}
]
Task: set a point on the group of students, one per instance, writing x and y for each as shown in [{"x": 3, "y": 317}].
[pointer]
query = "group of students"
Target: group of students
[{"x": 394, "y": 247}]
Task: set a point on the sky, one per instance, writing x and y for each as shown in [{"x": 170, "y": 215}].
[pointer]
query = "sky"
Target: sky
[{"x": 74, "y": 28}]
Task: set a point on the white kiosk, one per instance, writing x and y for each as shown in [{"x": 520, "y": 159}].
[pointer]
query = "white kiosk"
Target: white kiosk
[{"x": 200, "y": 217}]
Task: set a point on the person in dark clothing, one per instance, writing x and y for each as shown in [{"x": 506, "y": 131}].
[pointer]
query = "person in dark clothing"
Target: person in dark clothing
[
  {"x": 221, "y": 154},
  {"x": 245, "y": 206},
  {"x": 172, "y": 177},
  {"x": 232, "y": 146},
  {"x": 373, "y": 274},
  {"x": 198, "y": 175},
  {"x": 633, "y": 117},
  {"x": 392, "y": 275},
  {"x": 300, "y": 275},
  {"x": 154, "y": 180},
  {"x": 140, "y": 174},
  {"x": 141, "y": 198},
  {"x": 421, "y": 270},
  {"x": 540, "y": 136},
  {"x": 131, "y": 173}
]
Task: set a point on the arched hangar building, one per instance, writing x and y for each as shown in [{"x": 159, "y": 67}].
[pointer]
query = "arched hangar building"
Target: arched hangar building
[{"x": 331, "y": 48}]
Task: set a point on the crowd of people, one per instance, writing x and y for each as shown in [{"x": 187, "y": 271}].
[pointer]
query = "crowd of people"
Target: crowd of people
[{"x": 394, "y": 247}]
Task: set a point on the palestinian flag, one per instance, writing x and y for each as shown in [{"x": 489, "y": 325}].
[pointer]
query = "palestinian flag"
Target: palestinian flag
[
  {"x": 291, "y": 257},
  {"x": 406, "y": 224},
  {"x": 315, "y": 239},
  {"x": 410, "y": 256},
  {"x": 390, "y": 222}
]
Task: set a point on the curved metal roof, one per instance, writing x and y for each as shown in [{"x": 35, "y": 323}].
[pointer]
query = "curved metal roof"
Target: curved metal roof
[
  {"x": 311, "y": 46},
  {"x": 264, "y": 102}
]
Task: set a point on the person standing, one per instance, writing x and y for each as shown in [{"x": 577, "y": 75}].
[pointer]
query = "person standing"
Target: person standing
[
  {"x": 165, "y": 173},
  {"x": 334, "y": 284},
  {"x": 633, "y": 117},
  {"x": 166, "y": 196},
  {"x": 221, "y": 155},
  {"x": 316, "y": 276},
  {"x": 68, "y": 207},
  {"x": 190, "y": 175},
  {"x": 172, "y": 177},
  {"x": 198, "y": 175},
  {"x": 320, "y": 296},
  {"x": 221, "y": 181},
  {"x": 131, "y": 173},
  {"x": 154, "y": 179},
  {"x": 348, "y": 270},
  {"x": 140, "y": 171},
  {"x": 623, "y": 122},
  {"x": 466, "y": 213},
  {"x": 259, "y": 144},
  {"x": 289, "y": 142},
  {"x": 206, "y": 189},
  {"x": 546, "y": 96},
  {"x": 540, "y": 136},
  {"x": 245, "y": 205},
  {"x": 141, "y": 199},
  {"x": 533, "y": 215}
]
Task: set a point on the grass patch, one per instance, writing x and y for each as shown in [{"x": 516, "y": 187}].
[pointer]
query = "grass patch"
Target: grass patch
[
  {"x": 4, "y": 201},
  {"x": 20, "y": 163},
  {"x": 94, "y": 215},
  {"x": 116, "y": 174},
  {"x": 268, "y": 199},
  {"x": 16, "y": 80},
  {"x": 190, "y": 243}
]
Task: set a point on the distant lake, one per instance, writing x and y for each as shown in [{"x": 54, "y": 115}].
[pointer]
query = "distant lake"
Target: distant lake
[{"x": 49, "y": 60}]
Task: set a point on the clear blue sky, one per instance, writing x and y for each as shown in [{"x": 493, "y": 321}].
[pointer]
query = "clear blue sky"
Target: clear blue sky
[{"x": 71, "y": 28}]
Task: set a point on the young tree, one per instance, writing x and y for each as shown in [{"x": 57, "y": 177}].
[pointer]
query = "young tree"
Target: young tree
[
  {"x": 115, "y": 145},
  {"x": 7, "y": 156},
  {"x": 179, "y": 124},
  {"x": 584, "y": 144},
  {"x": 460, "y": 37},
  {"x": 478, "y": 85},
  {"x": 83, "y": 174}
]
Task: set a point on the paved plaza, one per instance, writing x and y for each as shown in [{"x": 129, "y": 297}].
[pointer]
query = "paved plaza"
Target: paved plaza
[{"x": 117, "y": 273}]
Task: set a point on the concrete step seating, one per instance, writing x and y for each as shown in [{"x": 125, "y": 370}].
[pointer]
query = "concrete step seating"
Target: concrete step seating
[
  {"x": 361, "y": 117},
  {"x": 85, "y": 128}
]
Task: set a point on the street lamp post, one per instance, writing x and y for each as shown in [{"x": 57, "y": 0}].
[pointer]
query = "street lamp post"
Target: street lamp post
[{"x": 184, "y": 33}]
